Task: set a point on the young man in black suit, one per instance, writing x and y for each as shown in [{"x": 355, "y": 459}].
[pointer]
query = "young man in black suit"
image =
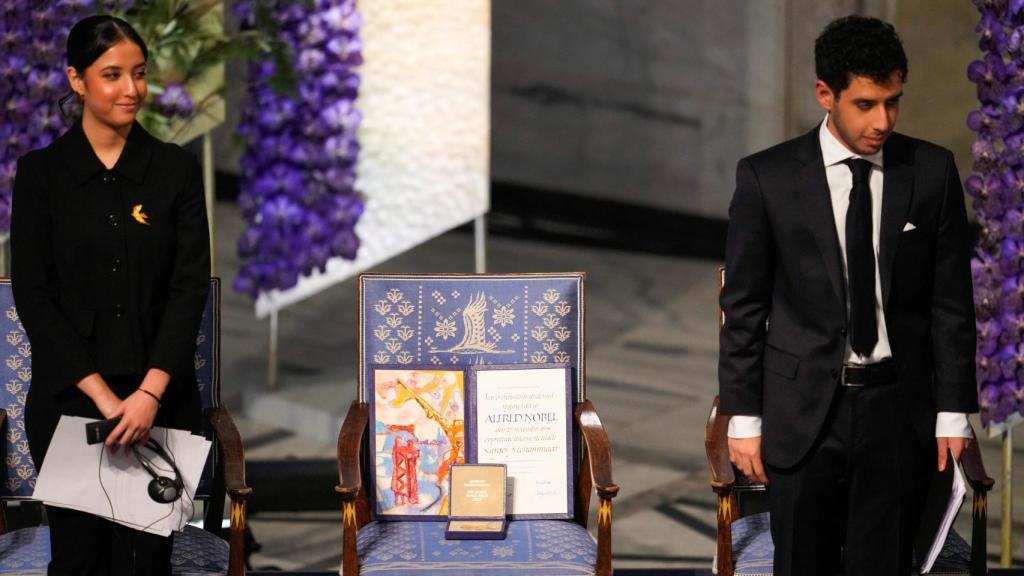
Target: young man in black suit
[{"x": 847, "y": 354}]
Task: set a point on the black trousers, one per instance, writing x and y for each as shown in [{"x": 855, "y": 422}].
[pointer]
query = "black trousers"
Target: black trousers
[
  {"x": 853, "y": 504},
  {"x": 85, "y": 545}
]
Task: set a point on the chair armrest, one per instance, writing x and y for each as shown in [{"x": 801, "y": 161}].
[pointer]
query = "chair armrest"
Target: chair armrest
[
  {"x": 349, "y": 441},
  {"x": 974, "y": 468},
  {"x": 716, "y": 443},
  {"x": 596, "y": 440},
  {"x": 233, "y": 454}
]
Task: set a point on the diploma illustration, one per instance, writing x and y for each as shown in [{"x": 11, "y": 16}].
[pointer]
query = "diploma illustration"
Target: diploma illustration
[{"x": 420, "y": 432}]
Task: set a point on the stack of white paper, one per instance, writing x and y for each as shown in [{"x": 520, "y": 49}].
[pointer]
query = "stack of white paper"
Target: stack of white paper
[
  {"x": 956, "y": 499},
  {"x": 92, "y": 479}
]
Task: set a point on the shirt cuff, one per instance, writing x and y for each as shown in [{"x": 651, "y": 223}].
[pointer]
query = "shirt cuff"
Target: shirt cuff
[
  {"x": 744, "y": 427},
  {"x": 950, "y": 425}
]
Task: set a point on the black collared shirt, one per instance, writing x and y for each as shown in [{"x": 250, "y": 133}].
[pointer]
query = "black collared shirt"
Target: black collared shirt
[
  {"x": 109, "y": 201},
  {"x": 110, "y": 267}
]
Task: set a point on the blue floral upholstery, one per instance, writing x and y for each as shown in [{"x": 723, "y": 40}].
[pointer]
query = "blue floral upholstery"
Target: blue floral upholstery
[
  {"x": 532, "y": 548},
  {"x": 198, "y": 553},
  {"x": 16, "y": 376},
  {"x": 753, "y": 549},
  {"x": 27, "y": 552},
  {"x": 954, "y": 558}
]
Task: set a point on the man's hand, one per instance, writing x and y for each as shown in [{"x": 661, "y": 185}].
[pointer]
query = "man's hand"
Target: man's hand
[
  {"x": 955, "y": 444},
  {"x": 745, "y": 453}
]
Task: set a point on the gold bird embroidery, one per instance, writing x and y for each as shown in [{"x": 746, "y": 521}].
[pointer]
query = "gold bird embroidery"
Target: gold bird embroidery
[{"x": 139, "y": 215}]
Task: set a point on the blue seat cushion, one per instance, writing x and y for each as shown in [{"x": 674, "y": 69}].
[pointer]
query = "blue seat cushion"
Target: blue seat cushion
[
  {"x": 531, "y": 548},
  {"x": 753, "y": 550},
  {"x": 196, "y": 552}
]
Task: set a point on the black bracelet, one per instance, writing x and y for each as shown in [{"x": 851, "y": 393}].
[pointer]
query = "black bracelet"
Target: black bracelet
[{"x": 153, "y": 396}]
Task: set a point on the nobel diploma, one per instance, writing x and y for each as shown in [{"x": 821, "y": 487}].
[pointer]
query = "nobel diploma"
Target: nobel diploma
[{"x": 522, "y": 421}]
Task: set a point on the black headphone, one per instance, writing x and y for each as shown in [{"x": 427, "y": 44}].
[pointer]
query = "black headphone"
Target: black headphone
[{"x": 161, "y": 488}]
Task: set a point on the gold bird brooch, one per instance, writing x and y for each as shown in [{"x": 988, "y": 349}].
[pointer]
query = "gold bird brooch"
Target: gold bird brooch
[{"x": 139, "y": 215}]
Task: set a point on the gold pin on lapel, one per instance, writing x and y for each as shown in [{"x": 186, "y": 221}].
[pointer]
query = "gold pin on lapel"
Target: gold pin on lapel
[{"x": 139, "y": 215}]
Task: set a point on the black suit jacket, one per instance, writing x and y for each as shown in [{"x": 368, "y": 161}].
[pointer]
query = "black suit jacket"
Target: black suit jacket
[
  {"x": 783, "y": 342},
  {"x": 110, "y": 273}
]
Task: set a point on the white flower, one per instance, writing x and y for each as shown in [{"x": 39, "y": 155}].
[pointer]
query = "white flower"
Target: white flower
[
  {"x": 503, "y": 316},
  {"x": 445, "y": 329}
]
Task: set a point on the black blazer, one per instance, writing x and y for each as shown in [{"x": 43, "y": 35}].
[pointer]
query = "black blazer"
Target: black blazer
[
  {"x": 110, "y": 272},
  {"x": 782, "y": 345}
]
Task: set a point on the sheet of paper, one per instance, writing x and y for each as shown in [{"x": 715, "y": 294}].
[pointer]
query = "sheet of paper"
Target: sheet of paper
[
  {"x": 92, "y": 479},
  {"x": 522, "y": 419},
  {"x": 956, "y": 499}
]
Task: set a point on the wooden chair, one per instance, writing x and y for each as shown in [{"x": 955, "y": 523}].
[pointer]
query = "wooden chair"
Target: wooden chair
[
  {"x": 744, "y": 545},
  {"x": 534, "y": 547},
  {"x": 196, "y": 551}
]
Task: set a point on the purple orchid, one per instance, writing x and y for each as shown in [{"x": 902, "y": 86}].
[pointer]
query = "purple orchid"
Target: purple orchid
[
  {"x": 174, "y": 102},
  {"x": 997, "y": 191},
  {"x": 298, "y": 192}
]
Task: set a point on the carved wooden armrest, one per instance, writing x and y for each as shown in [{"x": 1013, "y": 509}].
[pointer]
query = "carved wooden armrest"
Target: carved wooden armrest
[
  {"x": 349, "y": 441},
  {"x": 233, "y": 462},
  {"x": 353, "y": 509},
  {"x": 598, "y": 447},
  {"x": 233, "y": 455},
  {"x": 974, "y": 468},
  {"x": 716, "y": 443}
]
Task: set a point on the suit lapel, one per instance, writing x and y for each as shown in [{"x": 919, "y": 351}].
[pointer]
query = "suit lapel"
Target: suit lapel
[
  {"x": 816, "y": 201},
  {"x": 897, "y": 191}
]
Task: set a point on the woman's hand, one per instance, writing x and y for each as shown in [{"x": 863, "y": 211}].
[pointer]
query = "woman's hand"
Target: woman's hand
[
  {"x": 108, "y": 403},
  {"x": 137, "y": 413},
  {"x": 138, "y": 410}
]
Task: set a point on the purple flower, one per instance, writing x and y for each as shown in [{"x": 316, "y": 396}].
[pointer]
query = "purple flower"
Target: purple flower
[
  {"x": 279, "y": 180},
  {"x": 298, "y": 169},
  {"x": 988, "y": 336},
  {"x": 991, "y": 32},
  {"x": 986, "y": 370},
  {"x": 311, "y": 59},
  {"x": 174, "y": 102},
  {"x": 1013, "y": 222},
  {"x": 987, "y": 191},
  {"x": 1011, "y": 256}
]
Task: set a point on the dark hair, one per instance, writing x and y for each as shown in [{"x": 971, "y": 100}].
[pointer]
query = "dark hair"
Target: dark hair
[
  {"x": 90, "y": 37},
  {"x": 858, "y": 46}
]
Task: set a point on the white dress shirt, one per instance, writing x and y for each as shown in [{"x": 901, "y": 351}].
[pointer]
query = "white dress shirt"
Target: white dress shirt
[{"x": 840, "y": 183}]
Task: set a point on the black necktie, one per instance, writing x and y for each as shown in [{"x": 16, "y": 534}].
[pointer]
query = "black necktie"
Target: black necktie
[{"x": 860, "y": 261}]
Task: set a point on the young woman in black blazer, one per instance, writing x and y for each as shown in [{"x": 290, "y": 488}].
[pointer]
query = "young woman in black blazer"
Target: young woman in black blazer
[{"x": 110, "y": 271}]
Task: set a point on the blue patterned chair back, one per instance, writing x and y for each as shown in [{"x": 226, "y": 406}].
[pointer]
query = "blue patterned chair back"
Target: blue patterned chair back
[
  {"x": 457, "y": 321},
  {"x": 16, "y": 375}
]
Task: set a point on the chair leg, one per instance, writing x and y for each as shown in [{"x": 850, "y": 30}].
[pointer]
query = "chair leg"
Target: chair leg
[
  {"x": 236, "y": 538},
  {"x": 604, "y": 537},
  {"x": 979, "y": 537},
  {"x": 349, "y": 557},
  {"x": 726, "y": 513}
]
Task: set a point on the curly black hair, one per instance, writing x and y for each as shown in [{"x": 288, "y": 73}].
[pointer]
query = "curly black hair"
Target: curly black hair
[{"x": 858, "y": 46}]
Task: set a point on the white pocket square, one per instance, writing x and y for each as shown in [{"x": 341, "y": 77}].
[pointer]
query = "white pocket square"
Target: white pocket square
[{"x": 909, "y": 227}]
